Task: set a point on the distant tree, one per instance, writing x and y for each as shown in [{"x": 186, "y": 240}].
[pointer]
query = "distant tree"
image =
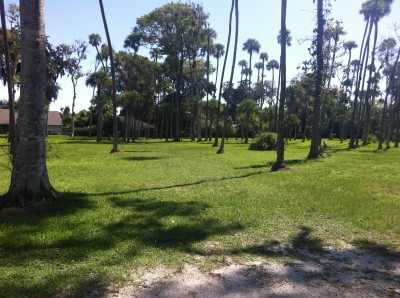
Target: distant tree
[
  {"x": 176, "y": 29},
  {"x": 73, "y": 56},
  {"x": 251, "y": 46},
  {"x": 272, "y": 65},
  {"x": 29, "y": 178},
  {"x": 247, "y": 110}
]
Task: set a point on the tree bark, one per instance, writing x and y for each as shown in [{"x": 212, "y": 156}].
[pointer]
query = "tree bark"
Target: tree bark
[
  {"x": 316, "y": 132},
  {"x": 29, "y": 178}
]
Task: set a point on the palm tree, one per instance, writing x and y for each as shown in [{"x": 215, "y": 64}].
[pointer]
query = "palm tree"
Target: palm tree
[
  {"x": 337, "y": 32},
  {"x": 114, "y": 92},
  {"x": 219, "y": 51},
  {"x": 222, "y": 75},
  {"x": 348, "y": 47},
  {"x": 230, "y": 86},
  {"x": 280, "y": 150},
  {"x": 95, "y": 41},
  {"x": 29, "y": 178},
  {"x": 243, "y": 65},
  {"x": 251, "y": 46},
  {"x": 259, "y": 66},
  {"x": 246, "y": 112},
  {"x": 316, "y": 132},
  {"x": 272, "y": 65}
]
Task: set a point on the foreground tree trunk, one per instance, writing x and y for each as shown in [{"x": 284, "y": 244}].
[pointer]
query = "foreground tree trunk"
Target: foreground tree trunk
[
  {"x": 316, "y": 130},
  {"x": 280, "y": 150},
  {"x": 29, "y": 178}
]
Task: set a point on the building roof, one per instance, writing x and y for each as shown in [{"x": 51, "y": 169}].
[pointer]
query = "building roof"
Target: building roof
[{"x": 54, "y": 118}]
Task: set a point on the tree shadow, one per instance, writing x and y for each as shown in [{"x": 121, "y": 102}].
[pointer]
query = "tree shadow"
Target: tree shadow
[
  {"x": 72, "y": 232},
  {"x": 271, "y": 163},
  {"x": 141, "y": 158},
  {"x": 303, "y": 265}
]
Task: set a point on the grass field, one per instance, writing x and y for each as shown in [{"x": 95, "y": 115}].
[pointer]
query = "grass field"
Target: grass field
[{"x": 166, "y": 203}]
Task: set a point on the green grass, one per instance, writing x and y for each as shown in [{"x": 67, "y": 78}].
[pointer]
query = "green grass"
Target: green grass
[{"x": 165, "y": 203}]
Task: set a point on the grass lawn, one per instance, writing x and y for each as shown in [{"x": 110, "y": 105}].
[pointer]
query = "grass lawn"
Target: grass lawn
[{"x": 166, "y": 203}]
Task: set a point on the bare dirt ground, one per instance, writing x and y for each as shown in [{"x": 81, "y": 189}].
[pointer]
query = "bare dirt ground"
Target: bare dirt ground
[{"x": 333, "y": 273}]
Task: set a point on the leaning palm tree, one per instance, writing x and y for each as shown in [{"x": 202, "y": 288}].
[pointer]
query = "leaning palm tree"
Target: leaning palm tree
[
  {"x": 222, "y": 147},
  {"x": 114, "y": 92},
  {"x": 251, "y": 46},
  {"x": 217, "y": 129}
]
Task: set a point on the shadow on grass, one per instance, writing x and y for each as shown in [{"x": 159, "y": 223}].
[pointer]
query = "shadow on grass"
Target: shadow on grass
[
  {"x": 141, "y": 158},
  {"x": 180, "y": 185},
  {"x": 268, "y": 165},
  {"x": 68, "y": 246}
]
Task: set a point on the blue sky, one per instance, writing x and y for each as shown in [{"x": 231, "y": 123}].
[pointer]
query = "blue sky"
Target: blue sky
[{"x": 68, "y": 20}]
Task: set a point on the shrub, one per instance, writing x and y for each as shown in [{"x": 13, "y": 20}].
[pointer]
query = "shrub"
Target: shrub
[
  {"x": 264, "y": 141},
  {"x": 372, "y": 138}
]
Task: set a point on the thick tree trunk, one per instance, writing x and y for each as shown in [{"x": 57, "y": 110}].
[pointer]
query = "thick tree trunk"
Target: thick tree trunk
[
  {"x": 29, "y": 178},
  {"x": 316, "y": 132}
]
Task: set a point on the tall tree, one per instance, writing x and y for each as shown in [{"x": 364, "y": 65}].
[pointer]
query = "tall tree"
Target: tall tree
[
  {"x": 74, "y": 55},
  {"x": 272, "y": 65},
  {"x": 29, "y": 178},
  {"x": 316, "y": 131},
  {"x": 114, "y": 91},
  {"x": 251, "y": 46},
  {"x": 230, "y": 84},
  {"x": 217, "y": 128},
  {"x": 280, "y": 150},
  {"x": 9, "y": 80}
]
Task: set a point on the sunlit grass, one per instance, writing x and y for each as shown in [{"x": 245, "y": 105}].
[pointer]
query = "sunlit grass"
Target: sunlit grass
[{"x": 163, "y": 203}]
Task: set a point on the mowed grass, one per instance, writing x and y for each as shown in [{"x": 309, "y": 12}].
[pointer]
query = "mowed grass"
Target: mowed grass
[{"x": 164, "y": 203}]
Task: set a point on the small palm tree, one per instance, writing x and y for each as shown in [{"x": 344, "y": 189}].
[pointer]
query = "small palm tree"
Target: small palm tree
[{"x": 247, "y": 110}]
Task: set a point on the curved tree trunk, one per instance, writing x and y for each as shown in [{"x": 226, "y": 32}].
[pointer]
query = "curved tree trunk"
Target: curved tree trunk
[
  {"x": 114, "y": 95},
  {"x": 217, "y": 128},
  {"x": 29, "y": 178}
]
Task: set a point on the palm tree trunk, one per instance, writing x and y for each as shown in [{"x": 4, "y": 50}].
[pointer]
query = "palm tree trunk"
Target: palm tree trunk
[
  {"x": 316, "y": 133},
  {"x": 217, "y": 130},
  {"x": 280, "y": 151},
  {"x": 29, "y": 178},
  {"x": 114, "y": 92}
]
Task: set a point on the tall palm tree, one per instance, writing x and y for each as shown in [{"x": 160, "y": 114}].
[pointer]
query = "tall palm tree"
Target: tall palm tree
[
  {"x": 316, "y": 132},
  {"x": 348, "y": 47},
  {"x": 280, "y": 150},
  {"x": 259, "y": 66},
  {"x": 230, "y": 86},
  {"x": 272, "y": 65},
  {"x": 217, "y": 130},
  {"x": 246, "y": 111},
  {"x": 264, "y": 58},
  {"x": 29, "y": 178},
  {"x": 251, "y": 46},
  {"x": 243, "y": 65},
  {"x": 218, "y": 52},
  {"x": 114, "y": 92}
]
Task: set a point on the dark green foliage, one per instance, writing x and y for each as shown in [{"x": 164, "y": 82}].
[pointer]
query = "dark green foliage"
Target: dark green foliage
[{"x": 265, "y": 141}]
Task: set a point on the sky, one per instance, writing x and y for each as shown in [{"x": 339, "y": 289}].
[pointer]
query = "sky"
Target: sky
[{"x": 67, "y": 21}]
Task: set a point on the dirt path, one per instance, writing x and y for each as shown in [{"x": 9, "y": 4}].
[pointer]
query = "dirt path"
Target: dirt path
[{"x": 339, "y": 273}]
